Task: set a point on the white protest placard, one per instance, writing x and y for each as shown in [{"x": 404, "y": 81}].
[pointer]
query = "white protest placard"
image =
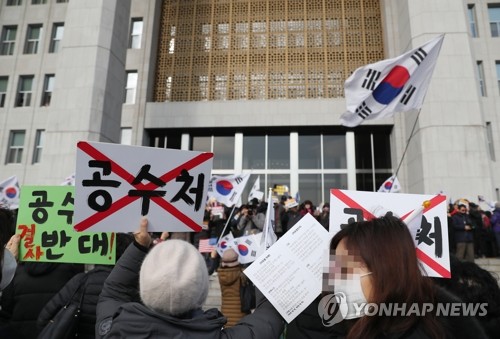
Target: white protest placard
[
  {"x": 117, "y": 184},
  {"x": 430, "y": 235},
  {"x": 289, "y": 273}
]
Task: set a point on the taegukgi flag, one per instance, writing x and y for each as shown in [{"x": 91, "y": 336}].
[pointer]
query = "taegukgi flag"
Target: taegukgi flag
[
  {"x": 255, "y": 192},
  {"x": 227, "y": 189},
  {"x": 381, "y": 89},
  {"x": 9, "y": 193},
  {"x": 391, "y": 185},
  {"x": 269, "y": 236}
]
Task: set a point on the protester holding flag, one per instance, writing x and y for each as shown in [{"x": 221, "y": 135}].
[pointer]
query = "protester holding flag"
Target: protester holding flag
[
  {"x": 172, "y": 282},
  {"x": 251, "y": 220}
]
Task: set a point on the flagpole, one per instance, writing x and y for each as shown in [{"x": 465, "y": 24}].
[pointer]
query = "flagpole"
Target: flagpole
[
  {"x": 406, "y": 149},
  {"x": 227, "y": 223},
  {"x": 267, "y": 217}
]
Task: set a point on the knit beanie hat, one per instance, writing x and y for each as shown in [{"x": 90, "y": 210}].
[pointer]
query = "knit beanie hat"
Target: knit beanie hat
[
  {"x": 230, "y": 258},
  {"x": 173, "y": 278}
]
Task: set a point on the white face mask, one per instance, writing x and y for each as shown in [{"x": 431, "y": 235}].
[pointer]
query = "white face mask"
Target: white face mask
[{"x": 354, "y": 294}]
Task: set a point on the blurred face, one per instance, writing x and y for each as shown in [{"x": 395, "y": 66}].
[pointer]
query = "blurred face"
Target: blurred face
[
  {"x": 345, "y": 264},
  {"x": 462, "y": 209}
]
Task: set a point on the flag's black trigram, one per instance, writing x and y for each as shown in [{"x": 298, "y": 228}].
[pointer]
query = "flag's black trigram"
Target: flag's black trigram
[
  {"x": 408, "y": 94},
  {"x": 419, "y": 56},
  {"x": 363, "y": 111},
  {"x": 371, "y": 79}
]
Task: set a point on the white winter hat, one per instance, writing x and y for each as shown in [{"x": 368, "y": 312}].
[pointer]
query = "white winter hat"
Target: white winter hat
[{"x": 173, "y": 278}]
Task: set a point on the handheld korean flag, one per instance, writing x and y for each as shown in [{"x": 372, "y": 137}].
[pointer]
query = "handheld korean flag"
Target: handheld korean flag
[
  {"x": 255, "y": 191},
  {"x": 248, "y": 247},
  {"x": 381, "y": 89},
  {"x": 269, "y": 237},
  {"x": 227, "y": 189},
  {"x": 224, "y": 243},
  {"x": 9, "y": 193},
  {"x": 391, "y": 185},
  {"x": 69, "y": 181}
]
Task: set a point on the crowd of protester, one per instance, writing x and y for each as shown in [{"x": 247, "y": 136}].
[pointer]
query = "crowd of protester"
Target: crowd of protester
[{"x": 160, "y": 282}]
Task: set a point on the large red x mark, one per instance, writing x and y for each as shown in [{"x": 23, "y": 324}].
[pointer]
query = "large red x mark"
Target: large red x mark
[
  {"x": 420, "y": 254},
  {"x": 126, "y": 200}
]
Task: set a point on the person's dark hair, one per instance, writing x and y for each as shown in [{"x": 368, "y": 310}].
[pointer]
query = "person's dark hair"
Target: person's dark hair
[
  {"x": 474, "y": 284},
  {"x": 386, "y": 247},
  {"x": 123, "y": 240},
  {"x": 7, "y": 225}
]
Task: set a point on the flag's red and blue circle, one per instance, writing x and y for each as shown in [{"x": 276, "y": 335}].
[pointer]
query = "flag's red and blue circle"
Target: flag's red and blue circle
[
  {"x": 224, "y": 187},
  {"x": 388, "y": 185},
  {"x": 223, "y": 244},
  {"x": 392, "y": 85},
  {"x": 11, "y": 192},
  {"x": 243, "y": 249}
]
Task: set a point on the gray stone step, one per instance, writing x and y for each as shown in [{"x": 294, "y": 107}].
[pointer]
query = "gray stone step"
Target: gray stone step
[{"x": 214, "y": 293}]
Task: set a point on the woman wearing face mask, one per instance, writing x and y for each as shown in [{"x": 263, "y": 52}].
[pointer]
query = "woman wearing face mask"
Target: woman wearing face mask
[
  {"x": 375, "y": 262},
  {"x": 378, "y": 264}
]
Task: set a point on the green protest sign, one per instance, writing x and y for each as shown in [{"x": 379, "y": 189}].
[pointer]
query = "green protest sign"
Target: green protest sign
[{"x": 45, "y": 223}]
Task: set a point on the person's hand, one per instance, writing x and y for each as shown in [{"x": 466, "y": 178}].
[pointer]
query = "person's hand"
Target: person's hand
[
  {"x": 164, "y": 235},
  {"x": 142, "y": 236},
  {"x": 13, "y": 245},
  {"x": 468, "y": 228},
  {"x": 213, "y": 254}
]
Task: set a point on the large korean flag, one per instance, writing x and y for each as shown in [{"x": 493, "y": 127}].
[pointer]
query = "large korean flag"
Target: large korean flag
[
  {"x": 425, "y": 216},
  {"x": 117, "y": 184}
]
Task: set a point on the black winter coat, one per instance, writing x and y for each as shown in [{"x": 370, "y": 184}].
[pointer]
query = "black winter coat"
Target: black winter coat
[
  {"x": 90, "y": 284},
  {"x": 120, "y": 315},
  {"x": 33, "y": 286}
]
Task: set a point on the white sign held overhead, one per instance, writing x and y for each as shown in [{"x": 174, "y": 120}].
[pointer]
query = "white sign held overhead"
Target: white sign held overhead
[
  {"x": 425, "y": 216},
  {"x": 117, "y": 184}
]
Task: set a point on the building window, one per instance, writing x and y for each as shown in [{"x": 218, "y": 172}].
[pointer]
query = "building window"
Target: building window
[
  {"x": 494, "y": 14},
  {"x": 3, "y": 90},
  {"x": 222, "y": 147},
  {"x": 16, "y": 145},
  {"x": 57, "y": 34},
  {"x": 62, "y": 1},
  {"x": 48, "y": 88},
  {"x": 480, "y": 75},
  {"x": 23, "y": 98},
  {"x": 373, "y": 160},
  {"x": 38, "y": 2},
  {"x": 471, "y": 13},
  {"x": 131, "y": 87},
  {"x": 32, "y": 39},
  {"x": 39, "y": 141},
  {"x": 8, "y": 40},
  {"x": 489, "y": 136},
  {"x": 135, "y": 33},
  {"x": 14, "y": 2},
  {"x": 497, "y": 64}
]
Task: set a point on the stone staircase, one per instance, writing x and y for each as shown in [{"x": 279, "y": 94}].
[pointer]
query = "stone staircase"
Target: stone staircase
[{"x": 214, "y": 294}]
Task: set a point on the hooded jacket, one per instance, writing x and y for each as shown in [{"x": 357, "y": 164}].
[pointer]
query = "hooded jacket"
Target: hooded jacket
[
  {"x": 230, "y": 282},
  {"x": 33, "y": 286},
  {"x": 120, "y": 314}
]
